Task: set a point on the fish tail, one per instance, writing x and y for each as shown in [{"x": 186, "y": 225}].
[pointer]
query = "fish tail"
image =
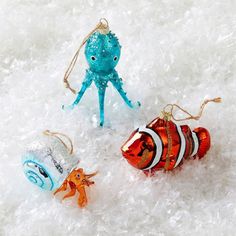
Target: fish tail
[{"x": 204, "y": 141}]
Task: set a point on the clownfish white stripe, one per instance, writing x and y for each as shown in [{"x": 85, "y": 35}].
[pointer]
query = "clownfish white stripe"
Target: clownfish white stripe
[
  {"x": 157, "y": 142},
  {"x": 196, "y": 143},
  {"x": 182, "y": 146}
]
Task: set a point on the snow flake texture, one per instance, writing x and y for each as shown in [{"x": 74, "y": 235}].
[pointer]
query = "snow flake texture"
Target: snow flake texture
[{"x": 172, "y": 52}]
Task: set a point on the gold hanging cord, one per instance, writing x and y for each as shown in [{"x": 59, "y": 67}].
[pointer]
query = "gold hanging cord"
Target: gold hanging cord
[
  {"x": 57, "y": 136},
  {"x": 169, "y": 115},
  {"x": 103, "y": 28}
]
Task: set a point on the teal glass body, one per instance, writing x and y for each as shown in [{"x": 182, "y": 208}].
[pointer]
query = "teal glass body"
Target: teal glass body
[{"x": 102, "y": 52}]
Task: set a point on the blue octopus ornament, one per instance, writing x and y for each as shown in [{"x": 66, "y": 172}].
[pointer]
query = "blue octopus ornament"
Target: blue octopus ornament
[{"x": 102, "y": 52}]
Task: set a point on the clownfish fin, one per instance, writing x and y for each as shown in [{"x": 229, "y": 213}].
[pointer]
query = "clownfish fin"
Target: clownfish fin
[{"x": 204, "y": 141}]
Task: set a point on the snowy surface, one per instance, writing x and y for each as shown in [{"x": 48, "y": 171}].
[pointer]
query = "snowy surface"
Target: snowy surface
[{"x": 172, "y": 52}]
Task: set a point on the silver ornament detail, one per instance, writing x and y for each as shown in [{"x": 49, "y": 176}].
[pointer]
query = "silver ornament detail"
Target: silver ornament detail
[{"x": 47, "y": 163}]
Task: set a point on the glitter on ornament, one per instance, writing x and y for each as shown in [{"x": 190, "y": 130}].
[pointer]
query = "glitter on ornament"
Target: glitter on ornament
[
  {"x": 50, "y": 165},
  {"x": 102, "y": 52}
]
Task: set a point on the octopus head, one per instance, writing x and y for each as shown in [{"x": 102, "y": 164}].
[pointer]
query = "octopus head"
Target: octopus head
[{"x": 102, "y": 52}]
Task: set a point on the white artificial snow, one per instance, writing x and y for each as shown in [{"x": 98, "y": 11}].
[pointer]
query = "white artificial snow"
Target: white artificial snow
[{"x": 172, "y": 52}]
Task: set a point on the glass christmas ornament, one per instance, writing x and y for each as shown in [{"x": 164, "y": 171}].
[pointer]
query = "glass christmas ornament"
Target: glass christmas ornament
[
  {"x": 102, "y": 52},
  {"x": 163, "y": 144},
  {"x": 47, "y": 162},
  {"x": 77, "y": 180},
  {"x": 50, "y": 165}
]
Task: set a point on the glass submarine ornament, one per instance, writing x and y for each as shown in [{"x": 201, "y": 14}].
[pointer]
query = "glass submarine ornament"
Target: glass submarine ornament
[
  {"x": 102, "y": 52},
  {"x": 49, "y": 164},
  {"x": 163, "y": 144}
]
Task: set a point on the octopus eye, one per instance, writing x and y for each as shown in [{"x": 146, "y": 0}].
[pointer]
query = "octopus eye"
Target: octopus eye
[
  {"x": 115, "y": 58},
  {"x": 78, "y": 175},
  {"x": 93, "y": 58}
]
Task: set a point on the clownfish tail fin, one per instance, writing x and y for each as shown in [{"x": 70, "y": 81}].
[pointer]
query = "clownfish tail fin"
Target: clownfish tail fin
[{"x": 204, "y": 141}]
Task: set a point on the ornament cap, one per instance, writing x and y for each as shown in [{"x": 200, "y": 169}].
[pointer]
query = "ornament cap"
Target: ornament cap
[
  {"x": 166, "y": 115},
  {"x": 103, "y": 27}
]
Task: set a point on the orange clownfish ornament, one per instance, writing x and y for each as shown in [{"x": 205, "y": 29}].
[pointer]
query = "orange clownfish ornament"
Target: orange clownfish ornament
[{"x": 163, "y": 144}]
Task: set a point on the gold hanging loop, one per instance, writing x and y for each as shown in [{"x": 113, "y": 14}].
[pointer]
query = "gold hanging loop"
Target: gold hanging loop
[
  {"x": 168, "y": 115},
  {"x": 103, "y": 28},
  {"x": 57, "y": 136}
]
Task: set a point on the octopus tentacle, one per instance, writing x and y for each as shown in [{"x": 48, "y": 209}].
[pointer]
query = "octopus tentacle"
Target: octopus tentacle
[
  {"x": 117, "y": 83},
  {"x": 101, "y": 95},
  {"x": 101, "y": 79},
  {"x": 87, "y": 82}
]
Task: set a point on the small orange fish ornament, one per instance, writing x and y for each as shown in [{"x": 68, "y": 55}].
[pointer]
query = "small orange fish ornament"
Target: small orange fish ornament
[
  {"x": 77, "y": 180},
  {"x": 163, "y": 144}
]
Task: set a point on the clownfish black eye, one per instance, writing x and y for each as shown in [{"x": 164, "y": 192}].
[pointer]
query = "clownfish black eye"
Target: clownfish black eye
[
  {"x": 115, "y": 58},
  {"x": 93, "y": 58}
]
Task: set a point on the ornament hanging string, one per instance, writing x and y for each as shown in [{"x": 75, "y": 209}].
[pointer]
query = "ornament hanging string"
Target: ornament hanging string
[
  {"x": 103, "y": 28},
  {"x": 57, "y": 136},
  {"x": 169, "y": 115}
]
